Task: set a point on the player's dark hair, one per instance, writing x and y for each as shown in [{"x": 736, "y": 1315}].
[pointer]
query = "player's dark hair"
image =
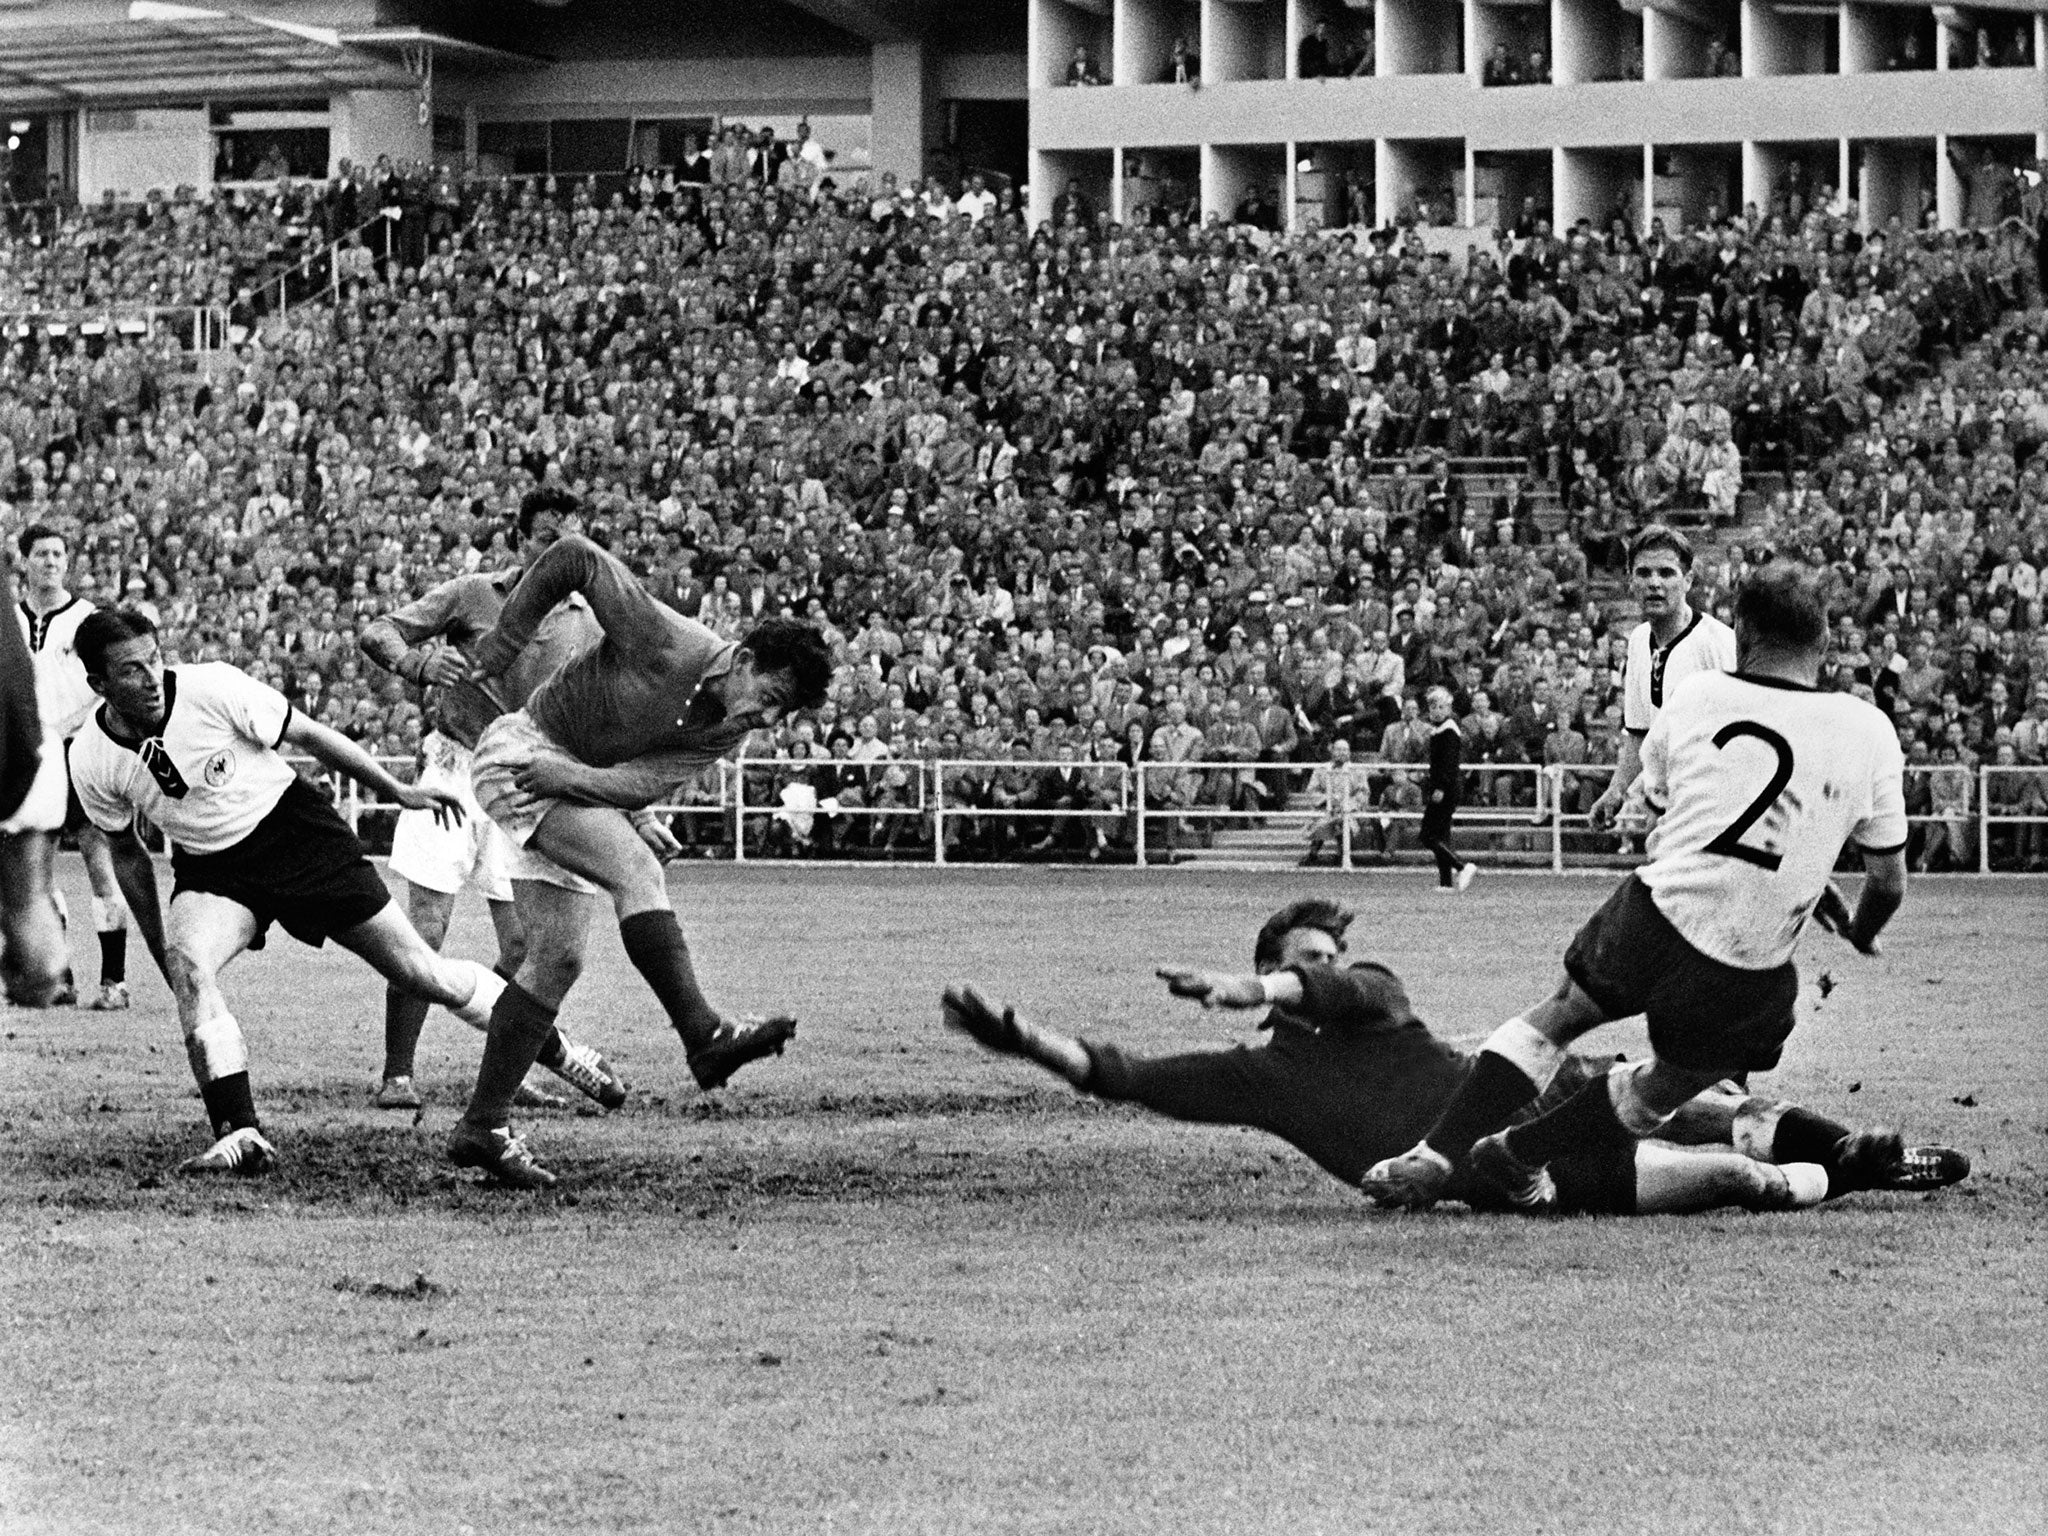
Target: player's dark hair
[
  {"x": 547, "y": 498},
  {"x": 1661, "y": 536},
  {"x": 1781, "y": 606},
  {"x": 784, "y": 645},
  {"x": 35, "y": 533},
  {"x": 1316, "y": 912},
  {"x": 100, "y": 632}
]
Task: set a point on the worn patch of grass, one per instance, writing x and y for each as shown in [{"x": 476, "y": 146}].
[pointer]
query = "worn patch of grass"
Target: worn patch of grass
[{"x": 888, "y": 1285}]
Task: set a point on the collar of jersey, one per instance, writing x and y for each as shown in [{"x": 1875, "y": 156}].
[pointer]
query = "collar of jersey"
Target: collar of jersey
[
  {"x": 134, "y": 743},
  {"x": 1775, "y": 682}
]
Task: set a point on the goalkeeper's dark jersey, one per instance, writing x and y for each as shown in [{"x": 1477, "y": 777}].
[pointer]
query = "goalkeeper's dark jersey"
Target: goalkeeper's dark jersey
[{"x": 1349, "y": 1077}]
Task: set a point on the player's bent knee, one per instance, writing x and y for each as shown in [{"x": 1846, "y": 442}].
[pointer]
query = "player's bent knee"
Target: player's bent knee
[
  {"x": 550, "y": 975},
  {"x": 1637, "y": 1111}
]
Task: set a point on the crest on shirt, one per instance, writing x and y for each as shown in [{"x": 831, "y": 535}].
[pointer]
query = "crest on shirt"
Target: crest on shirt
[{"x": 220, "y": 768}]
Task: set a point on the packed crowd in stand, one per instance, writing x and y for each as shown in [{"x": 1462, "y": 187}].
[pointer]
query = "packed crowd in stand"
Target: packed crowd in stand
[{"x": 1172, "y": 492}]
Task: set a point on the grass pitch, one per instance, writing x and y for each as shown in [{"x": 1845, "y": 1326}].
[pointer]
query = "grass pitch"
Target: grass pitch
[{"x": 887, "y": 1284}]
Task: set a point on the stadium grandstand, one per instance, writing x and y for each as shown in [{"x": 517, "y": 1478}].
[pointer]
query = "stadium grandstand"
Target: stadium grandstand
[{"x": 1150, "y": 399}]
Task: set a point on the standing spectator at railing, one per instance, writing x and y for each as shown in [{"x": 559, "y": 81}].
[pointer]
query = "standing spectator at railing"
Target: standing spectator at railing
[
  {"x": 1233, "y": 739},
  {"x": 2014, "y": 790},
  {"x": 1168, "y": 788},
  {"x": 1063, "y": 790},
  {"x": 1183, "y": 64},
  {"x": 1564, "y": 749},
  {"x": 1081, "y": 69},
  {"x": 1341, "y": 794},
  {"x": 1950, "y": 801}
]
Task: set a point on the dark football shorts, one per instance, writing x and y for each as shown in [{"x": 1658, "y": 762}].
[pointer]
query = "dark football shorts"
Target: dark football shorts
[
  {"x": 301, "y": 868},
  {"x": 75, "y": 819},
  {"x": 1702, "y": 1014},
  {"x": 1597, "y": 1182}
]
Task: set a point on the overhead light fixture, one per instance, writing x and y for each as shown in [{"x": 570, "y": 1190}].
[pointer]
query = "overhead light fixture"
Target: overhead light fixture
[{"x": 20, "y": 125}]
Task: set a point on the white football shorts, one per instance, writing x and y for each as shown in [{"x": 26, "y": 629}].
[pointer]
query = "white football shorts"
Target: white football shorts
[
  {"x": 42, "y": 809},
  {"x": 445, "y": 859},
  {"x": 508, "y": 744}
]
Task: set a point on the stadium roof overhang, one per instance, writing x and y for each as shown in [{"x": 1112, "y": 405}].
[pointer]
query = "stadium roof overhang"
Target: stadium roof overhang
[
  {"x": 178, "y": 52},
  {"x": 1699, "y": 12}
]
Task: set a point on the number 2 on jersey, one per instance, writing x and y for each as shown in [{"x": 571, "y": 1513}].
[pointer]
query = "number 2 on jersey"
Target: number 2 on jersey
[{"x": 1730, "y": 841}]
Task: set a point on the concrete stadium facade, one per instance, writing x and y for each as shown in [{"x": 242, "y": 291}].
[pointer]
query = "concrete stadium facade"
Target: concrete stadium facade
[{"x": 1663, "y": 108}]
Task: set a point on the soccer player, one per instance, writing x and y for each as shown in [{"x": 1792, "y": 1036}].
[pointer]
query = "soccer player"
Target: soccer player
[
  {"x": 196, "y": 750},
  {"x": 1350, "y": 1072},
  {"x": 1761, "y": 780},
  {"x": 1440, "y": 796},
  {"x": 31, "y": 939},
  {"x": 1673, "y": 642},
  {"x": 614, "y": 731},
  {"x": 428, "y": 643},
  {"x": 50, "y": 617}
]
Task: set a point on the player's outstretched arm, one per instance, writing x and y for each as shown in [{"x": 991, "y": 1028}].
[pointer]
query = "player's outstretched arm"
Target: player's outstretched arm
[
  {"x": 629, "y": 617},
  {"x": 1221, "y": 989},
  {"x": 135, "y": 873},
  {"x": 345, "y": 757},
  {"x": 1000, "y": 1029}
]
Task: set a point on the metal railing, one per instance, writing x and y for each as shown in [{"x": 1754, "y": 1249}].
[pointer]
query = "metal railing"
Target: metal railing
[
  {"x": 199, "y": 327},
  {"x": 1522, "y": 813}
]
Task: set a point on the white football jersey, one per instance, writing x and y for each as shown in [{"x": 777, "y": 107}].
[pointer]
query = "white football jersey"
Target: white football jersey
[
  {"x": 208, "y": 777},
  {"x": 1652, "y": 676},
  {"x": 63, "y": 697},
  {"x": 1761, "y": 783}
]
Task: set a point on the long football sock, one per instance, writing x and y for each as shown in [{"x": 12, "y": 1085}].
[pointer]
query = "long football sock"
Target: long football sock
[
  {"x": 405, "y": 1016},
  {"x": 1805, "y": 1137},
  {"x": 1489, "y": 1098},
  {"x": 1582, "y": 1122},
  {"x": 230, "y": 1103},
  {"x": 554, "y": 1050},
  {"x": 655, "y": 944},
  {"x": 520, "y": 1025},
  {"x": 113, "y": 957}
]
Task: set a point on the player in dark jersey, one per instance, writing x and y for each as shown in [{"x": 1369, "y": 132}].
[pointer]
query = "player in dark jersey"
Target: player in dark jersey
[
  {"x": 32, "y": 959},
  {"x": 1441, "y": 794},
  {"x": 1350, "y": 1072},
  {"x": 428, "y": 643},
  {"x": 570, "y": 777}
]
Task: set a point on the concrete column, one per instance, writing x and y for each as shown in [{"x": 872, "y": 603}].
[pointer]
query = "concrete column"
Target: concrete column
[
  {"x": 1842, "y": 158},
  {"x": 1298, "y": 27},
  {"x": 1039, "y": 206},
  {"x": 1475, "y": 44},
  {"x": 1117, "y": 211},
  {"x": 1468, "y": 187},
  {"x": 1862, "y": 42},
  {"x": 1290, "y": 175},
  {"x": 1649, "y": 208},
  {"x": 469, "y": 122},
  {"x": 1948, "y": 187},
  {"x": 903, "y": 101},
  {"x": 1756, "y": 174},
  {"x": 1214, "y": 194},
  {"x": 1656, "y": 45}
]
